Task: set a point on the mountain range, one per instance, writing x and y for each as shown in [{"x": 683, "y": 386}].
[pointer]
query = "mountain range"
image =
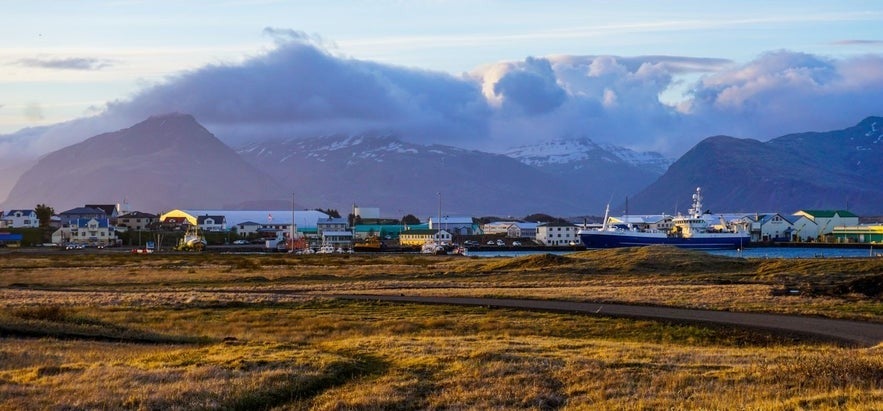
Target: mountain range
[
  {"x": 171, "y": 161},
  {"x": 839, "y": 169}
]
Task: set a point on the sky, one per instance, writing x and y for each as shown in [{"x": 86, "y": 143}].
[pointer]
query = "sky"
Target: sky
[{"x": 648, "y": 75}]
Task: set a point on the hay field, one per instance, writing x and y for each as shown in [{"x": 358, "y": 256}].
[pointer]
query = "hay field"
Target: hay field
[{"x": 260, "y": 332}]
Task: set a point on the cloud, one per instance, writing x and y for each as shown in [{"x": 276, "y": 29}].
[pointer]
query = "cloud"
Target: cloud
[
  {"x": 33, "y": 112},
  {"x": 530, "y": 88},
  {"x": 72, "y": 63},
  {"x": 300, "y": 87},
  {"x": 856, "y": 42},
  {"x": 783, "y": 92}
]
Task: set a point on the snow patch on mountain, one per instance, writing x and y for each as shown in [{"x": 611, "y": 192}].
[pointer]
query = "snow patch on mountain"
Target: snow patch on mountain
[{"x": 567, "y": 151}]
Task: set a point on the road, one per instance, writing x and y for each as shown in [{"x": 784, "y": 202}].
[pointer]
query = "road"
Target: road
[{"x": 854, "y": 332}]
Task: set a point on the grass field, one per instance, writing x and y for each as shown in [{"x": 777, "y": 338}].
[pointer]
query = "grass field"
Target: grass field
[{"x": 259, "y": 332}]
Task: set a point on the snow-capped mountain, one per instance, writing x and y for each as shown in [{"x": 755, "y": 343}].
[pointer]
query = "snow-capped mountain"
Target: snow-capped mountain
[
  {"x": 576, "y": 153},
  {"x": 383, "y": 171},
  {"x": 599, "y": 173}
]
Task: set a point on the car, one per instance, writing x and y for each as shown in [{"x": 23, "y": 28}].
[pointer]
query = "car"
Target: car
[
  {"x": 500, "y": 243},
  {"x": 516, "y": 243},
  {"x": 491, "y": 242},
  {"x": 240, "y": 242}
]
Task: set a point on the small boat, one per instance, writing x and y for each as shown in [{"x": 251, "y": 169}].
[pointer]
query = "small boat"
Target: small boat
[
  {"x": 432, "y": 247},
  {"x": 691, "y": 231}
]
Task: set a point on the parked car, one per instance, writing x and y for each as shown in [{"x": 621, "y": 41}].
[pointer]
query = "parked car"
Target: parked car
[
  {"x": 491, "y": 242},
  {"x": 500, "y": 243},
  {"x": 240, "y": 242},
  {"x": 516, "y": 244}
]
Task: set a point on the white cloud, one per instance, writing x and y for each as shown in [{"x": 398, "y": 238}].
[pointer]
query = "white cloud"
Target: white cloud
[{"x": 301, "y": 88}]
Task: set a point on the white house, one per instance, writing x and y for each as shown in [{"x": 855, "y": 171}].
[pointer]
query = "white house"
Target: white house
[
  {"x": 805, "y": 229},
  {"x": 770, "y": 227},
  {"x": 555, "y": 234},
  {"x": 87, "y": 231},
  {"x": 212, "y": 222},
  {"x": 21, "y": 219},
  {"x": 247, "y": 228}
]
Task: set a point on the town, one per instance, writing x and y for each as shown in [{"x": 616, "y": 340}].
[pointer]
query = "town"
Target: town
[{"x": 325, "y": 231}]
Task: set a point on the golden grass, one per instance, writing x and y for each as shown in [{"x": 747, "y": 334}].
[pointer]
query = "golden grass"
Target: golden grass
[{"x": 242, "y": 332}]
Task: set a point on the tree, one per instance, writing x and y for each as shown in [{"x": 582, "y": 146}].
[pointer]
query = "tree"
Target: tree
[
  {"x": 410, "y": 219},
  {"x": 44, "y": 214},
  {"x": 541, "y": 218}
]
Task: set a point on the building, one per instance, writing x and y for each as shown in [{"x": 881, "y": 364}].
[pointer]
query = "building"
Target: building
[
  {"x": 511, "y": 229},
  {"x": 367, "y": 213},
  {"x": 76, "y": 214},
  {"x": 247, "y": 228},
  {"x": 770, "y": 227},
  {"x": 212, "y": 222},
  {"x": 136, "y": 221},
  {"x": 21, "y": 219},
  {"x": 332, "y": 224},
  {"x": 112, "y": 211},
  {"x": 419, "y": 237},
  {"x": 455, "y": 225},
  {"x": 86, "y": 231},
  {"x": 338, "y": 239},
  {"x": 557, "y": 234},
  {"x": 871, "y": 234},
  {"x": 384, "y": 231},
  {"x": 826, "y": 220},
  {"x": 275, "y": 219}
]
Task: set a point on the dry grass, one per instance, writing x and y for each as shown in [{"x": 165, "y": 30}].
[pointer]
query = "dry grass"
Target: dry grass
[{"x": 241, "y": 332}]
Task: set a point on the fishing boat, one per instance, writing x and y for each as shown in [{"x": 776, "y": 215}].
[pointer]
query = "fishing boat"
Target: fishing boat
[{"x": 694, "y": 230}]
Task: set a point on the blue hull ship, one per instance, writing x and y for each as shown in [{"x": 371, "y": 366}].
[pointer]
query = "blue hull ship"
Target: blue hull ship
[
  {"x": 599, "y": 239},
  {"x": 691, "y": 231}
]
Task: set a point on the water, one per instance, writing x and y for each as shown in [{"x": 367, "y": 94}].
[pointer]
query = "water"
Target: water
[{"x": 759, "y": 252}]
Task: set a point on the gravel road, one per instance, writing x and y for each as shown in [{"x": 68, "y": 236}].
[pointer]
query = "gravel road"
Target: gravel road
[{"x": 855, "y": 332}]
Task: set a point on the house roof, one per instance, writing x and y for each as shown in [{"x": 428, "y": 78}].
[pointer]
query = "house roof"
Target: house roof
[
  {"x": 10, "y": 213},
  {"x": 218, "y": 219},
  {"x": 421, "y": 232},
  {"x": 827, "y": 213},
  {"x": 83, "y": 211},
  {"x": 249, "y": 223},
  {"x": 108, "y": 209},
  {"x": 138, "y": 214},
  {"x": 82, "y": 222}
]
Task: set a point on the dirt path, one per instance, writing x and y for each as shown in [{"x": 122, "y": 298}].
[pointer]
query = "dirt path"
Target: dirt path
[{"x": 862, "y": 333}]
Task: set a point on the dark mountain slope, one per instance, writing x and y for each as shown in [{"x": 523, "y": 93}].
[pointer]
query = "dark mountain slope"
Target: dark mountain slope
[
  {"x": 799, "y": 171},
  {"x": 164, "y": 162}
]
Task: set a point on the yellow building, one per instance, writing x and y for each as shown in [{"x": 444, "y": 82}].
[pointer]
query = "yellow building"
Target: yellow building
[
  {"x": 859, "y": 234},
  {"x": 178, "y": 214},
  {"x": 416, "y": 238}
]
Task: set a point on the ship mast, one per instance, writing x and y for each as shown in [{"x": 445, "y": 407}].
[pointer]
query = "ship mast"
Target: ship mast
[{"x": 696, "y": 211}]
